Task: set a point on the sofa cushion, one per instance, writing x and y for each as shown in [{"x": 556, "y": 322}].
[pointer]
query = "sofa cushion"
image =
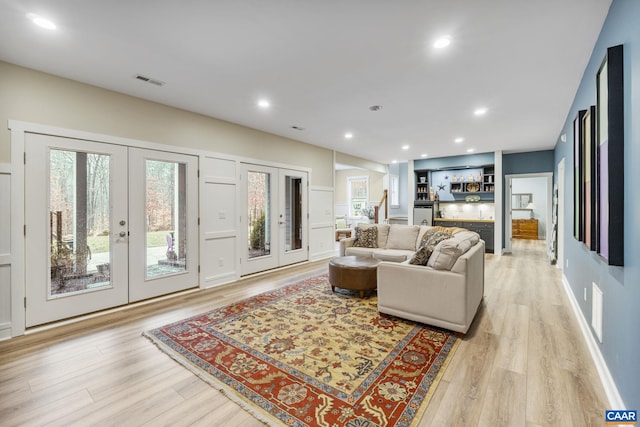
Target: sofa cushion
[
  {"x": 403, "y": 237},
  {"x": 383, "y": 232},
  {"x": 429, "y": 242},
  {"x": 392, "y": 255},
  {"x": 363, "y": 252},
  {"x": 366, "y": 237},
  {"x": 447, "y": 252}
]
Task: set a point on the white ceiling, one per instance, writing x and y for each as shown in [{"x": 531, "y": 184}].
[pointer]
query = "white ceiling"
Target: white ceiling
[{"x": 323, "y": 63}]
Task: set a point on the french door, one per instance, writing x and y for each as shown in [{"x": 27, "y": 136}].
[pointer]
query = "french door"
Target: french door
[
  {"x": 163, "y": 216},
  {"x": 105, "y": 225},
  {"x": 274, "y": 224}
]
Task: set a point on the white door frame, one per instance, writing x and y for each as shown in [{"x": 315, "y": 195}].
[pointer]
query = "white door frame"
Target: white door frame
[
  {"x": 508, "y": 232},
  {"x": 561, "y": 211}
]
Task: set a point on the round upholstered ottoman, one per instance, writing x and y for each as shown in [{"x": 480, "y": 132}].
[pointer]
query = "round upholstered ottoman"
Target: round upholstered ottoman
[{"x": 354, "y": 273}]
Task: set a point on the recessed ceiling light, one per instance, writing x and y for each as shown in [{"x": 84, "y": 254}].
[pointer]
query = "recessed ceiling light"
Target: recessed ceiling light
[
  {"x": 458, "y": 140},
  {"x": 263, "y": 103},
  {"x": 394, "y": 161},
  {"x": 348, "y": 135},
  {"x": 470, "y": 150},
  {"x": 423, "y": 155},
  {"x": 41, "y": 21},
  {"x": 480, "y": 111},
  {"x": 405, "y": 147},
  {"x": 442, "y": 42}
]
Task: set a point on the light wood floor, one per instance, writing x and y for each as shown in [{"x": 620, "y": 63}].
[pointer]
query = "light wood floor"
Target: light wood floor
[{"x": 523, "y": 363}]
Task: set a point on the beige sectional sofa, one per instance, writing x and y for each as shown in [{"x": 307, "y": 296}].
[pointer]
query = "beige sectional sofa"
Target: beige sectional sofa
[{"x": 446, "y": 292}]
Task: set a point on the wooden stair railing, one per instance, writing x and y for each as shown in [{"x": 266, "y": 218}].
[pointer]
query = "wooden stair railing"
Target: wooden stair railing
[{"x": 376, "y": 209}]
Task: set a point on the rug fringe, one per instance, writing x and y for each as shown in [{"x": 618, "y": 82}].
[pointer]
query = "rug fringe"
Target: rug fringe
[{"x": 264, "y": 417}]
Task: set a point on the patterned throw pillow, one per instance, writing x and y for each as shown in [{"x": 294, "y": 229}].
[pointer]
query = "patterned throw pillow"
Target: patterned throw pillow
[
  {"x": 428, "y": 244},
  {"x": 366, "y": 238}
]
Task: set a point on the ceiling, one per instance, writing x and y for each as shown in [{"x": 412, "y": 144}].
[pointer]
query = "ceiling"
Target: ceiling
[{"x": 323, "y": 64}]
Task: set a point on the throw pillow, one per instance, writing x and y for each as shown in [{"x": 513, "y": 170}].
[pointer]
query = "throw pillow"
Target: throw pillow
[
  {"x": 403, "y": 237},
  {"x": 366, "y": 238},
  {"x": 429, "y": 242},
  {"x": 447, "y": 253}
]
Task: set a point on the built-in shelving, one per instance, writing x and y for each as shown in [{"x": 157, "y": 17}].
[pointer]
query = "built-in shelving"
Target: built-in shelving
[{"x": 482, "y": 181}]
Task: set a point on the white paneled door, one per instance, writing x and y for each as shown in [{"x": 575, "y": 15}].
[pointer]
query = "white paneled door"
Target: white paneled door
[
  {"x": 274, "y": 219},
  {"x": 105, "y": 225}
]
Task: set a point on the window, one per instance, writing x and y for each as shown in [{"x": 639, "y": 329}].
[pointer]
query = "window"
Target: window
[
  {"x": 358, "y": 194},
  {"x": 394, "y": 190}
]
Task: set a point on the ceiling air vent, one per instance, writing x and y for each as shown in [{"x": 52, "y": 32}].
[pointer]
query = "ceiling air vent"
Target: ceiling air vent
[{"x": 149, "y": 80}]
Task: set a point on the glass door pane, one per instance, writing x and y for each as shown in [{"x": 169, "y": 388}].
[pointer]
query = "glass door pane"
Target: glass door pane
[
  {"x": 166, "y": 223},
  {"x": 292, "y": 216},
  {"x": 259, "y": 214},
  {"x": 79, "y": 222},
  {"x": 293, "y": 213}
]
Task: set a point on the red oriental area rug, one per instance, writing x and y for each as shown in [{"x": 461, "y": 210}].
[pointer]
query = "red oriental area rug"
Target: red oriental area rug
[{"x": 302, "y": 355}]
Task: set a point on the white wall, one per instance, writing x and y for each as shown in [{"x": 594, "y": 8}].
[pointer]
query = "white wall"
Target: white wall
[{"x": 32, "y": 96}]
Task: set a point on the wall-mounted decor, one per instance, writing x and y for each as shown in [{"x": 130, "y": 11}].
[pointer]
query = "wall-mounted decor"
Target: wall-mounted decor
[
  {"x": 610, "y": 131},
  {"x": 578, "y": 212},
  {"x": 589, "y": 189}
]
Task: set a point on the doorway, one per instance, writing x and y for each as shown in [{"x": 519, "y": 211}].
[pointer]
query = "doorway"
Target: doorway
[
  {"x": 105, "y": 225},
  {"x": 275, "y": 218},
  {"x": 536, "y": 190}
]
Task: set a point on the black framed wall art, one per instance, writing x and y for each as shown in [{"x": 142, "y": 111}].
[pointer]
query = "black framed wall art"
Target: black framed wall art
[
  {"x": 578, "y": 212},
  {"x": 610, "y": 142},
  {"x": 589, "y": 188}
]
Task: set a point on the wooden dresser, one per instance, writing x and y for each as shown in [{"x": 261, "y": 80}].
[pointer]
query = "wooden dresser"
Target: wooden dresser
[{"x": 524, "y": 228}]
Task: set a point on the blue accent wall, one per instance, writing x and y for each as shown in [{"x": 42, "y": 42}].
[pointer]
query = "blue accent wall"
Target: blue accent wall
[
  {"x": 620, "y": 285},
  {"x": 479, "y": 159},
  {"x": 529, "y": 162}
]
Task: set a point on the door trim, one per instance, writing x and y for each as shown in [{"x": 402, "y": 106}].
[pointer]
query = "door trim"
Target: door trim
[{"x": 549, "y": 196}]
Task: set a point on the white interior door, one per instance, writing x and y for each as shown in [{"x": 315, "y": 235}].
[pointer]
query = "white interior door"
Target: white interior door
[
  {"x": 293, "y": 216},
  {"x": 259, "y": 219},
  {"x": 163, "y": 205},
  {"x": 75, "y": 245}
]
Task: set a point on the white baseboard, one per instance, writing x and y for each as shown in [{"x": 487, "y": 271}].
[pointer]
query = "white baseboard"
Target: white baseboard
[
  {"x": 609, "y": 385},
  {"x": 321, "y": 255},
  {"x": 5, "y": 331}
]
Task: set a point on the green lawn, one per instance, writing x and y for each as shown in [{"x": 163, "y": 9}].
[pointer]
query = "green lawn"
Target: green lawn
[{"x": 100, "y": 244}]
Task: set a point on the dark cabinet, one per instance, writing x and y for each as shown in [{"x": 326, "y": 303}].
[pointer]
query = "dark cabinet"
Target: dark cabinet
[{"x": 484, "y": 229}]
